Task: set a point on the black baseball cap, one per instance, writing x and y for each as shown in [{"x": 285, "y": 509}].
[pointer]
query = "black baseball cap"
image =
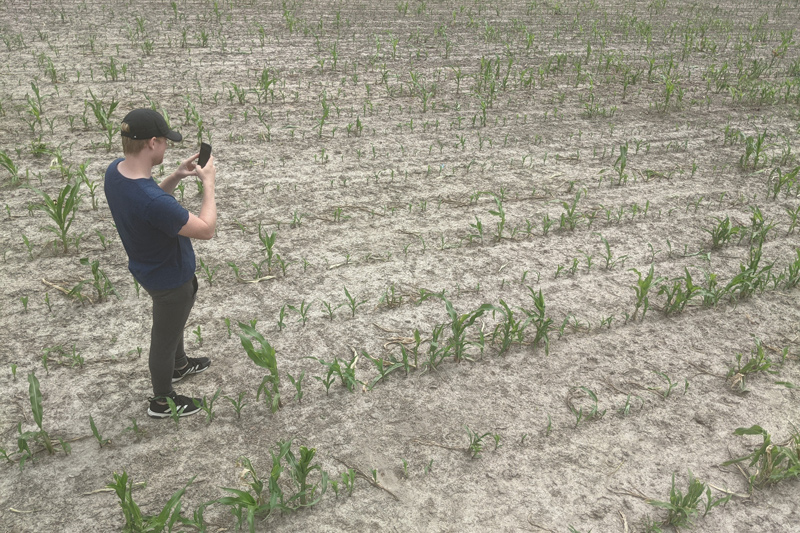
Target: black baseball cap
[{"x": 145, "y": 123}]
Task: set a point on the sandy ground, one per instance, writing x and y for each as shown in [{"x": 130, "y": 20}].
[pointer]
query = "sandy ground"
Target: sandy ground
[{"x": 382, "y": 197}]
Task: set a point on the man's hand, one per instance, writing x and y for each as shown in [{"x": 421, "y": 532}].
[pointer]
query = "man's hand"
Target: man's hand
[
  {"x": 207, "y": 174},
  {"x": 187, "y": 167},
  {"x": 203, "y": 226}
]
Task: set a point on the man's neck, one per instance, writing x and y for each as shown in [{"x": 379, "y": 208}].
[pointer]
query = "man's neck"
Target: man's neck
[{"x": 135, "y": 168}]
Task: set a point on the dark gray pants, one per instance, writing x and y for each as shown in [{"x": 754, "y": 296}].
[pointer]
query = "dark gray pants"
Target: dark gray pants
[{"x": 170, "y": 311}]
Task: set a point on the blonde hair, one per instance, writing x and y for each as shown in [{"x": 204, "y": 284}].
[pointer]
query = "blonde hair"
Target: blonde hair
[{"x": 131, "y": 146}]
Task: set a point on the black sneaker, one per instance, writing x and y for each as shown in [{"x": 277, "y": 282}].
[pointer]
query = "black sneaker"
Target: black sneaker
[
  {"x": 183, "y": 404},
  {"x": 195, "y": 366}
]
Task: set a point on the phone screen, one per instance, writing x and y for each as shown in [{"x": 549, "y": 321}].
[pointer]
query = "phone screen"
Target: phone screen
[{"x": 205, "y": 153}]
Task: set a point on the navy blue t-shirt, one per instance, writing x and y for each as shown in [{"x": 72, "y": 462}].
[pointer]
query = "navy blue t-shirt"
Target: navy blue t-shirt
[{"x": 148, "y": 221}]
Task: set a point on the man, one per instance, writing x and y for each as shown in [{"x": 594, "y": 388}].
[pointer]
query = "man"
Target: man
[{"x": 156, "y": 231}]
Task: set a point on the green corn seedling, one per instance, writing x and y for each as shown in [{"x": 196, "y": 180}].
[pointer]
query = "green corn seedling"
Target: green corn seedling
[
  {"x": 173, "y": 411},
  {"x": 510, "y": 329},
  {"x": 298, "y": 385},
  {"x": 751, "y": 279},
  {"x": 773, "y": 462},
  {"x": 683, "y": 508},
  {"x": 541, "y": 323},
  {"x": 208, "y": 271},
  {"x": 591, "y": 413},
  {"x": 679, "y": 292},
  {"x": 268, "y": 240},
  {"x": 459, "y": 324},
  {"x": 349, "y": 480},
  {"x": 383, "y": 368},
  {"x": 300, "y": 471},
  {"x": 330, "y": 309},
  {"x": 135, "y": 429},
  {"x": 302, "y": 311},
  {"x": 281, "y": 316},
  {"x": 570, "y": 217},
  {"x": 620, "y": 164},
  {"x": 611, "y": 262},
  {"x": 135, "y": 521},
  {"x": 669, "y": 384},
  {"x": 478, "y": 226},
  {"x": 41, "y": 437},
  {"x": 61, "y": 211},
  {"x": 103, "y": 115},
  {"x": 206, "y": 404},
  {"x": 782, "y": 180},
  {"x": 353, "y": 303},
  {"x": 642, "y": 288},
  {"x": 97, "y": 434},
  {"x": 238, "y": 403},
  {"x": 8, "y": 164},
  {"x": 722, "y": 232},
  {"x": 438, "y": 350},
  {"x": 500, "y": 213},
  {"x": 756, "y": 362},
  {"x": 263, "y": 356},
  {"x": 475, "y": 444}
]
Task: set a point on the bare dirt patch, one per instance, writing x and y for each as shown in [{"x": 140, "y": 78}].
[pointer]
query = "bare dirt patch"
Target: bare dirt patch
[{"x": 410, "y": 152}]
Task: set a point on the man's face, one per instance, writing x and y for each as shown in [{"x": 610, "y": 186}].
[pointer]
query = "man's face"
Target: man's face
[{"x": 159, "y": 148}]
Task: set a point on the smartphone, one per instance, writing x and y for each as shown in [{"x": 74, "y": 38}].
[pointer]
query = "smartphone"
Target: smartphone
[{"x": 205, "y": 153}]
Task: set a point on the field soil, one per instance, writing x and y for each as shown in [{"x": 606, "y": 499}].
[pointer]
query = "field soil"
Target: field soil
[{"x": 413, "y": 158}]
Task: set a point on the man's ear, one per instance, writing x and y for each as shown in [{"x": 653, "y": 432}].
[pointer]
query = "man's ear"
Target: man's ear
[{"x": 151, "y": 143}]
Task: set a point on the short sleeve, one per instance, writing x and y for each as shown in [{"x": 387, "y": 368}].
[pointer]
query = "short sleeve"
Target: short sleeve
[{"x": 166, "y": 214}]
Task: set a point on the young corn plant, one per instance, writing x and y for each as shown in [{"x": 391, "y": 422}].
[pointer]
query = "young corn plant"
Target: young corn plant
[
  {"x": 570, "y": 216},
  {"x": 642, "y": 289},
  {"x": 620, "y": 164},
  {"x": 540, "y": 321},
  {"x": 756, "y": 362},
  {"x": 302, "y": 311},
  {"x": 41, "y": 437},
  {"x": 782, "y": 180},
  {"x": 679, "y": 292},
  {"x": 61, "y": 211},
  {"x": 100, "y": 282},
  {"x": 346, "y": 372},
  {"x": 263, "y": 356},
  {"x": 438, "y": 349},
  {"x": 268, "y": 240},
  {"x": 753, "y": 147},
  {"x": 10, "y": 166},
  {"x": 683, "y": 508},
  {"x": 722, "y": 232},
  {"x": 298, "y": 385},
  {"x": 773, "y": 462},
  {"x": 475, "y": 445},
  {"x": 353, "y": 303},
  {"x": 103, "y": 115},
  {"x": 751, "y": 278},
  {"x": 459, "y": 324},
  {"x": 206, "y": 404},
  {"x": 611, "y": 261},
  {"x": 238, "y": 403},
  {"x": 591, "y": 413},
  {"x": 97, "y": 434},
  {"x": 330, "y": 309},
  {"x": 208, "y": 271},
  {"x": 500, "y": 213},
  {"x": 300, "y": 471},
  {"x": 267, "y": 495},
  {"x": 384, "y": 368},
  {"x": 135, "y": 521},
  {"x": 510, "y": 330}
]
